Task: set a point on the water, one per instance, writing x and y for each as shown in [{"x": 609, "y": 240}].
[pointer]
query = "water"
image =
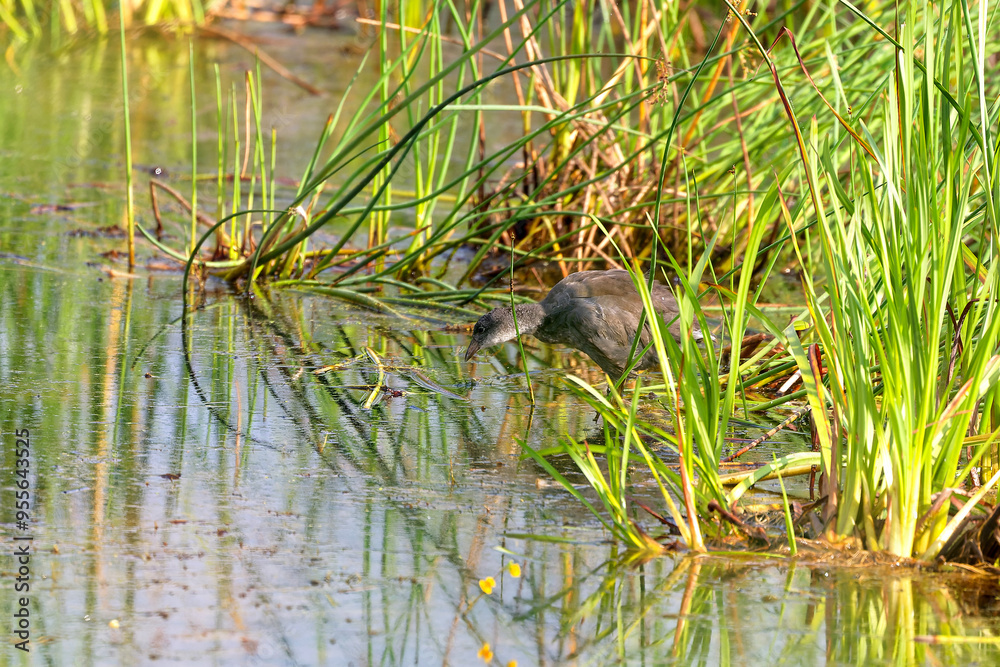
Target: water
[{"x": 212, "y": 490}]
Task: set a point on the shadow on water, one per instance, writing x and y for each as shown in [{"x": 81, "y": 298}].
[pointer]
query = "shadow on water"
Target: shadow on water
[{"x": 213, "y": 490}]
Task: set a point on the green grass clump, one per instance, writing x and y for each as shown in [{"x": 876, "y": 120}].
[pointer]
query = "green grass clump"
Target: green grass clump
[
  {"x": 604, "y": 109},
  {"x": 909, "y": 261},
  {"x": 900, "y": 274},
  {"x": 885, "y": 198}
]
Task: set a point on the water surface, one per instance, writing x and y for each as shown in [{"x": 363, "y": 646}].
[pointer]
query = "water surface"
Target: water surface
[{"x": 212, "y": 489}]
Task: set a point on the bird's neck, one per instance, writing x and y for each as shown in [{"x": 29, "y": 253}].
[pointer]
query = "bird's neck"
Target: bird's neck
[{"x": 529, "y": 317}]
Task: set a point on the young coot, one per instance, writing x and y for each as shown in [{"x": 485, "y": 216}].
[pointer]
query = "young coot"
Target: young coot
[{"x": 596, "y": 312}]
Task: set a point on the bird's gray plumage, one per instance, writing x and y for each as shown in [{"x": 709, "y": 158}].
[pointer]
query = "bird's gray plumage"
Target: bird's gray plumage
[{"x": 596, "y": 312}]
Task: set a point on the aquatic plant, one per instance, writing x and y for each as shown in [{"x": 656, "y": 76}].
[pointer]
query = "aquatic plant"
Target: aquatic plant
[
  {"x": 597, "y": 154},
  {"x": 907, "y": 324},
  {"x": 22, "y": 20},
  {"x": 901, "y": 356},
  {"x": 887, "y": 205}
]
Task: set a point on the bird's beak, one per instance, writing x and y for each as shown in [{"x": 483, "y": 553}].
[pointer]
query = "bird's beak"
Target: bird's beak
[{"x": 471, "y": 352}]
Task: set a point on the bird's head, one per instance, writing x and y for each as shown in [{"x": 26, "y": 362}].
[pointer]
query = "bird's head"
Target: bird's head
[{"x": 493, "y": 328}]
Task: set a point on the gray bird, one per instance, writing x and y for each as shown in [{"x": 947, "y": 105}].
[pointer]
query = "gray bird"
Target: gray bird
[{"x": 596, "y": 312}]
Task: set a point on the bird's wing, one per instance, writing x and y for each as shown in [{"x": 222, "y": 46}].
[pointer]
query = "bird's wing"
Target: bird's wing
[
  {"x": 616, "y": 290},
  {"x": 598, "y": 312},
  {"x": 588, "y": 284},
  {"x": 599, "y": 326}
]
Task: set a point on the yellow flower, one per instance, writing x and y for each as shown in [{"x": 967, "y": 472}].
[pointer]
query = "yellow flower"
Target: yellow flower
[
  {"x": 485, "y": 653},
  {"x": 487, "y": 585},
  {"x": 512, "y": 663},
  {"x": 515, "y": 570}
]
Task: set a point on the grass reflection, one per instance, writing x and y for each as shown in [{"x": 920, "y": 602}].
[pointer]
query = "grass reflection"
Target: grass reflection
[{"x": 215, "y": 487}]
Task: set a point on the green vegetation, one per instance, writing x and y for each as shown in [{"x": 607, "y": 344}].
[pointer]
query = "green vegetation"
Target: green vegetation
[
  {"x": 859, "y": 144},
  {"x": 899, "y": 359},
  {"x": 885, "y": 198},
  {"x": 21, "y": 20},
  {"x": 911, "y": 331}
]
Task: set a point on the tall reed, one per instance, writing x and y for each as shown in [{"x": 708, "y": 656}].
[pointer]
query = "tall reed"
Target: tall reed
[{"x": 906, "y": 324}]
